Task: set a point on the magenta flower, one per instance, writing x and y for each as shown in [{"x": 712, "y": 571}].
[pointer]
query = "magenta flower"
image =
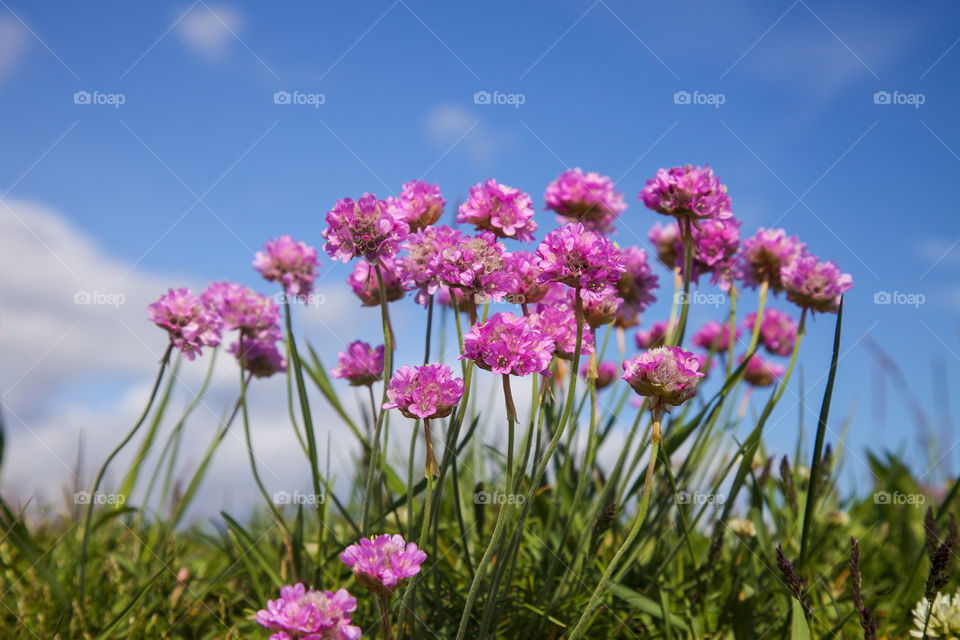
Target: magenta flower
[
  {"x": 420, "y": 267},
  {"x": 778, "y": 331},
  {"x": 599, "y": 309},
  {"x": 669, "y": 375},
  {"x": 363, "y": 228},
  {"x": 292, "y": 264},
  {"x": 580, "y": 258},
  {"x": 765, "y": 254},
  {"x": 687, "y": 191},
  {"x": 528, "y": 289},
  {"x": 715, "y": 243},
  {"x": 667, "y": 241},
  {"x": 241, "y": 308},
  {"x": 477, "y": 266},
  {"x": 188, "y": 321},
  {"x": 363, "y": 280},
  {"x": 589, "y": 198},
  {"x": 761, "y": 373},
  {"x": 360, "y": 364},
  {"x": 507, "y": 344},
  {"x": 260, "y": 355},
  {"x": 310, "y": 615},
  {"x": 420, "y": 204},
  {"x": 606, "y": 372},
  {"x": 383, "y": 563},
  {"x": 558, "y": 321},
  {"x": 815, "y": 285},
  {"x": 714, "y": 336},
  {"x": 655, "y": 336},
  {"x": 502, "y": 210},
  {"x": 425, "y": 392},
  {"x": 635, "y": 286}
]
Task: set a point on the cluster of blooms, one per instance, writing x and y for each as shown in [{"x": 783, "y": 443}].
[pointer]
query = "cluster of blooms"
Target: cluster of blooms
[
  {"x": 765, "y": 254},
  {"x": 668, "y": 375},
  {"x": 715, "y": 337},
  {"x": 580, "y": 258},
  {"x": 504, "y": 211},
  {"x": 476, "y": 265},
  {"x": 715, "y": 243},
  {"x": 424, "y": 392},
  {"x": 301, "y": 614},
  {"x": 419, "y": 268},
  {"x": 292, "y": 264},
  {"x": 189, "y": 322},
  {"x": 420, "y": 204},
  {"x": 257, "y": 319},
  {"x": 589, "y": 198},
  {"x": 815, "y": 285},
  {"x": 361, "y": 365},
  {"x": 606, "y": 373},
  {"x": 363, "y": 228},
  {"x": 778, "y": 331},
  {"x": 655, "y": 336},
  {"x": 363, "y": 280},
  {"x": 944, "y": 617},
  {"x": 760, "y": 372},
  {"x": 507, "y": 344},
  {"x": 382, "y": 563},
  {"x": 558, "y": 320},
  {"x": 687, "y": 191},
  {"x": 527, "y": 289},
  {"x": 635, "y": 287}
]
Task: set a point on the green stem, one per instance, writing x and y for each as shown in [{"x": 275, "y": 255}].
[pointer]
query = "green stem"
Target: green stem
[
  {"x": 762, "y": 300},
  {"x": 687, "y": 233}
]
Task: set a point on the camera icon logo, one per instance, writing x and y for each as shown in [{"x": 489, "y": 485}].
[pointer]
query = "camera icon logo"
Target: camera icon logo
[
  {"x": 81, "y": 497},
  {"x": 881, "y": 97},
  {"x": 81, "y": 97},
  {"x": 481, "y": 97},
  {"x": 81, "y": 297},
  {"x": 683, "y": 497},
  {"x": 481, "y": 497},
  {"x": 681, "y": 97},
  {"x": 882, "y": 297},
  {"x": 281, "y": 97},
  {"x": 281, "y": 497},
  {"x": 881, "y": 497}
]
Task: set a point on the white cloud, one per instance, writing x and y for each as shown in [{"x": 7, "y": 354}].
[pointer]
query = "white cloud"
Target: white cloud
[
  {"x": 449, "y": 124},
  {"x": 210, "y": 31},
  {"x": 13, "y": 44}
]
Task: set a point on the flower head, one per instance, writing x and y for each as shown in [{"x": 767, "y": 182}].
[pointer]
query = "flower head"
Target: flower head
[
  {"x": 507, "y": 344},
  {"x": 502, "y": 210},
  {"x": 635, "y": 286},
  {"x": 778, "y": 331},
  {"x": 667, "y": 241},
  {"x": 765, "y": 254},
  {"x": 944, "y": 617},
  {"x": 559, "y": 321},
  {"x": 760, "y": 372},
  {"x": 292, "y": 264},
  {"x": 606, "y": 373},
  {"x": 525, "y": 265},
  {"x": 189, "y": 322},
  {"x": 420, "y": 204},
  {"x": 655, "y": 336},
  {"x": 259, "y": 355},
  {"x": 382, "y": 563},
  {"x": 600, "y": 309},
  {"x": 300, "y": 614},
  {"x": 714, "y": 336},
  {"x": 241, "y": 308},
  {"x": 363, "y": 280},
  {"x": 715, "y": 243},
  {"x": 815, "y": 285},
  {"x": 363, "y": 228},
  {"x": 581, "y": 258},
  {"x": 589, "y": 198},
  {"x": 669, "y": 375},
  {"x": 360, "y": 364},
  {"x": 420, "y": 267},
  {"x": 477, "y": 266},
  {"x": 687, "y": 191},
  {"x": 425, "y": 392}
]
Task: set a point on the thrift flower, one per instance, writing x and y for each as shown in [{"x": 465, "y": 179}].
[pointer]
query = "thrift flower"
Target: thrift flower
[
  {"x": 188, "y": 321},
  {"x": 714, "y": 336},
  {"x": 241, "y": 308},
  {"x": 420, "y": 204},
  {"x": 778, "y": 331},
  {"x": 589, "y": 198},
  {"x": 600, "y": 309},
  {"x": 525, "y": 266},
  {"x": 361, "y": 365},
  {"x": 687, "y": 191},
  {"x": 292, "y": 264},
  {"x": 635, "y": 286},
  {"x": 667, "y": 241},
  {"x": 420, "y": 267},
  {"x": 502, "y": 210},
  {"x": 815, "y": 285},
  {"x": 365, "y": 284},
  {"x": 577, "y": 257},
  {"x": 425, "y": 392},
  {"x": 363, "y": 228},
  {"x": 507, "y": 344},
  {"x": 260, "y": 355},
  {"x": 761, "y": 373},
  {"x": 669, "y": 375},
  {"x": 383, "y": 563},
  {"x": 559, "y": 321},
  {"x": 765, "y": 254},
  {"x": 477, "y": 266},
  {"x": 606, "y": 373},
  {"x": 310, "y": 615},
  {"x": 655, "y": 336}
]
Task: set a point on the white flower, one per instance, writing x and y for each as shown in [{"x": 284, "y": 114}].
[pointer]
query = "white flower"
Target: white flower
[
  {"x": 944, "y": 619},
  {"x": 742, "y": 527}
]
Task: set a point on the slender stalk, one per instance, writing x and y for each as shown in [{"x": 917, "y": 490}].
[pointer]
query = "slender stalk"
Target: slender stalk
[
  {"x": 731, "y": 330},
  {"x": 761, "y": 302},
  {"x": 426, "y": 349},
  {"x": 687, "y": 235},
  {"x": 384, "y": 601},
  {"x": 511, "y": 424}
]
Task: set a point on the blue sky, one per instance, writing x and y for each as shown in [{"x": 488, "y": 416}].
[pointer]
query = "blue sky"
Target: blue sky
[{"x": 198, "y": 166}]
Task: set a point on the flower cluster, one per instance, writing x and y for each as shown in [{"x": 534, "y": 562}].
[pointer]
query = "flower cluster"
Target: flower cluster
[
  {"x": 420, "y": 204},
  {"x": 507, "y": 344},
  {"x": 760, "y": 372},
  {"x": 606, "y": 373},
  {"x": 361, "y": 365},
  {"x": 502, "y": 210},
  {"x": 815, "y": 285},
  {"x": 765, "y": 254},
  {"x": 292, "y": 264},
  {"x": 687, "y": 191},
  {"x": 635, "y": 286},
  {"x": 257, "y": 319},
  {"x": 715, "y": 243},
  {"x": 580, "y": 258},
  {"x": 300, "y": 614},
  {"x": 558, "y": 320},
  {"x": 259, "y": 355},
  {"x": 424, "y": 392},
  {"x": 714, "y": 336},
  {"x": 526, "y": 267},
  {"x": 589, "y": 198},
  {"x": 943, "y": 614},
  {"x": 189, "y": 322},
  {"x": 778, "y": 331},
  {"x": 669, "y": 375},
  {"x": 363, "y": 228},
  {"x": 419, "y": 268},
  {"x": 656, "y": 335},
  {"x": 382, "y": 563},
  {"x": 363, "y": 280},
  {"x": 666, "y": 239},
  {"x": 477, "y": 266}
]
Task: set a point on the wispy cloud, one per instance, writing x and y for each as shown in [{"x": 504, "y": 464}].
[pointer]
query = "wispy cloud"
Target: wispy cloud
[
  {"x": 13, "y": 44},
  {"x": 210, "y": 31}
]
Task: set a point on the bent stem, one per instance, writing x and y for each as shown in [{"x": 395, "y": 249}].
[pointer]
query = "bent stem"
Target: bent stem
[
  {"x": 164, "y": 361},
  {"x": 656, "y": 410}
]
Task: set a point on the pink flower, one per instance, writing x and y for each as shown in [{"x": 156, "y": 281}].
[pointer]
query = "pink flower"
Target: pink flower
[
  {"x": 635, "y": 286},
  {"x": 580, "y": 258},
  {"x": 714, "y": 336},
  {"x": 363, "y": 228},
  {"x": 241, "y": 308},
  {"x": 477, "y": 266},
  {"x": 765, "y": 254},
  {"x": 420, "y": 267},
  {"x": 558, "y": 321},
  {"x": 589, "y": 198},
  {"x": 260, "y": 355},
  {"x": 815, "y": 285},
  {"x": 599, "y": 309},
  {"x": 669, "y": 375},
  {"x": 188, "y": 321},
  {"x": 714, "y": 242},
  {"x": 655, "y": 336},
  {"x": 778, "y": 331},
  {"x": 360, "y": 364},
  {"x": 292, "y": 264},
  {"x": 667, "y": 241},
  {"x": 363, "y": 280},
  {"x": 528, "y": 288},
  {"x": 606, "y": 373},
  {"x": 507, "y": 344},
  {"x": 420, "y": 204},
  {"x": 425, "y": 392},
  {"x": 761, "y": 373},
  {"x": 687, "y": 191},
  {"x": 382, "y": 563},
  {"x": 310, "y": 615},
  {"x": 502, "y": 210}
]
